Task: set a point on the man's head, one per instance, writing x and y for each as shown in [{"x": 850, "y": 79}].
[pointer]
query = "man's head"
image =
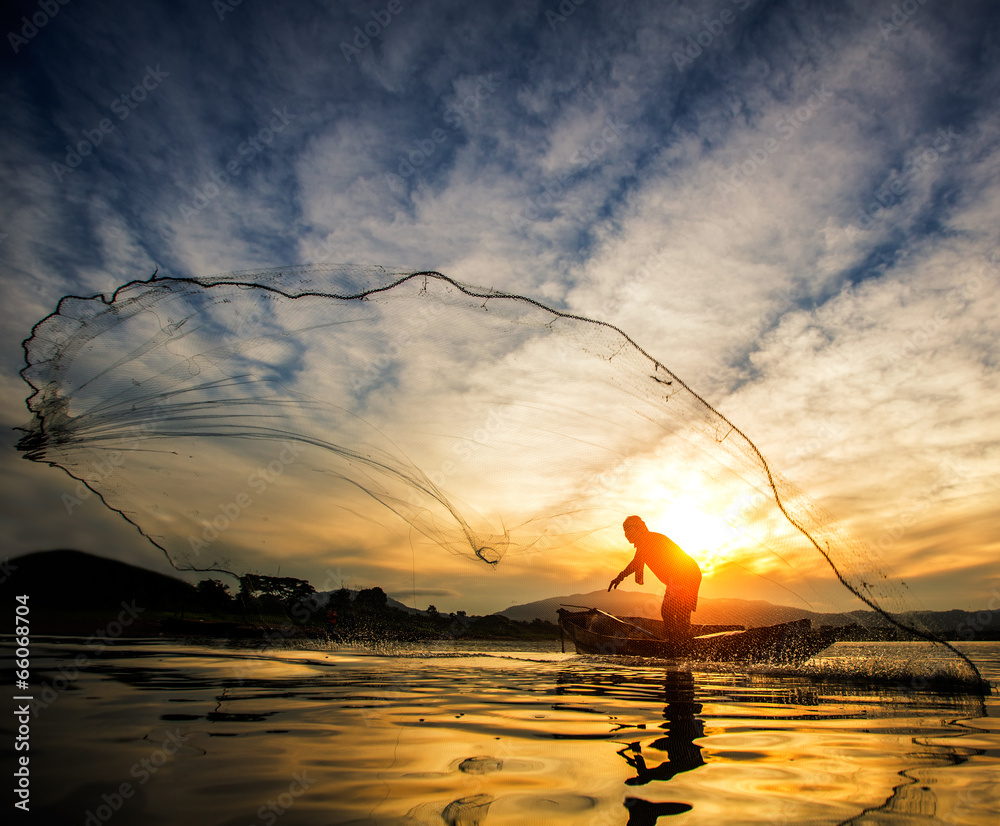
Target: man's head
[{"x": 634, "y": 528}]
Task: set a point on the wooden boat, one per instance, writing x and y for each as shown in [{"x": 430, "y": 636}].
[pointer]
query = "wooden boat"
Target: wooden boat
[{"x": 596, "y": 632}]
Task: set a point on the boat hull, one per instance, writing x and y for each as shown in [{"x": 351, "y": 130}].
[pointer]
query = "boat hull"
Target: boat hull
[{"x": 594, "y": 632}]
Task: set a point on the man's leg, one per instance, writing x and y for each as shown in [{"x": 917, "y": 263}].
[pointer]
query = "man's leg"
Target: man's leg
[
  {"x": 676, "y": 622},
  {"x": 671, "y": 620}
]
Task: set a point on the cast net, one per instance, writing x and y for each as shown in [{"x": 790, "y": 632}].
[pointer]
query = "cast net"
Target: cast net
[{"x": 316, "y": 414}]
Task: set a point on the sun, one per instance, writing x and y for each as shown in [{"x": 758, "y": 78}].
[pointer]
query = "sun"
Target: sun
[
  {"x": 702, "y": 517},
  {"x": 708, "y": 539}
]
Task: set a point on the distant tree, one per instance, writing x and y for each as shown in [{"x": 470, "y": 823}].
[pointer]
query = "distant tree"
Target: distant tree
[
  {"x": 340, "y": 601},
  {"x": 273, "y": 593},
  {"x": 432, "y": 610},
  {"x": 214, "y": 595},
  {"x": 340, "y": 609},
  {"x": 371, "y": 599},
  {"x": 459, "y": 623}
]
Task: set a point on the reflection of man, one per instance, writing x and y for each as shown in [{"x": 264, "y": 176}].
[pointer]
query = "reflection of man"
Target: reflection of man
[
  {"x": 680, "y": 744},
  {"x": 683, "y": 729},
  {"x": 674, "y": 568}
]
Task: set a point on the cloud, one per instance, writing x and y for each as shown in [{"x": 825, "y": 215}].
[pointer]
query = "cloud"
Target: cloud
[{"x": 778, "y": 220}]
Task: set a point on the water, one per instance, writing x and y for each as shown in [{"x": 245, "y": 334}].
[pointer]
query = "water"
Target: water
[{"x": 165, "y": 732}]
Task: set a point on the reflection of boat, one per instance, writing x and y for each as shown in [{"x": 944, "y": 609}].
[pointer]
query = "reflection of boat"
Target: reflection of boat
[{"x": 596, "y": 632}]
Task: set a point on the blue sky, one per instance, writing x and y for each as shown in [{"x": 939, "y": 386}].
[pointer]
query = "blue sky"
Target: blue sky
[{"x": 791, "y": 204}]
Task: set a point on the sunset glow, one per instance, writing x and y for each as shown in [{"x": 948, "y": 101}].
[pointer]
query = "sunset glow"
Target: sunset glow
[{"x": 849, "y": 333}]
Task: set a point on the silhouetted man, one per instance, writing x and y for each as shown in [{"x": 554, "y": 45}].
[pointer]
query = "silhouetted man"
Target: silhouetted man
[{"x": 674, "y": 568}]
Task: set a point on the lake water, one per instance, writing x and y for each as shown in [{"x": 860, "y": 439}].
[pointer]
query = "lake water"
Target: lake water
[{"x": 166, "y": 732}]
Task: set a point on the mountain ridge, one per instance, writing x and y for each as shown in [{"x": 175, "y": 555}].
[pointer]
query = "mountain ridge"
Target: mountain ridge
[
  {"x": 956, "y": 623},
  {"x": 70, "y": 580}
]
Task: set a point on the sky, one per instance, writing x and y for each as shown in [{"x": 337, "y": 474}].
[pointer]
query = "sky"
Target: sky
[{"x": 792, "y": 205}]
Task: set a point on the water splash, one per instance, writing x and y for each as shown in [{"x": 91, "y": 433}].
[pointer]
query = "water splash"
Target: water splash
[{"x": 255, "y": 417}]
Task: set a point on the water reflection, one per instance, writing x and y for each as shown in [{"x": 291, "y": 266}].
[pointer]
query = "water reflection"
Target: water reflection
[
  {"x": 682, "y": 753},
  {"x": 682, "y": 727},
  {"x": 785, "y": 707},
  {"x": 423, "y": 738},
  {"x": 467, "y": 811}
]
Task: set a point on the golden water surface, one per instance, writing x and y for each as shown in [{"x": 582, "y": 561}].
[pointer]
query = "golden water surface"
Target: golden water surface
[{"x": 166, "y": 732}]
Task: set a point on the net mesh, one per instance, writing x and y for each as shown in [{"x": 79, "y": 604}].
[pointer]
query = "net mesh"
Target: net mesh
[{"x": 269, "y": 415}]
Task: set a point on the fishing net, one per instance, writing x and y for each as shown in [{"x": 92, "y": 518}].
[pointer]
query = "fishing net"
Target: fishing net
[{"x": 254, "y": 418}]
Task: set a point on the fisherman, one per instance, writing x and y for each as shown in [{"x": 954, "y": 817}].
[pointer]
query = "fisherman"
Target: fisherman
[{"x": 674, "y": 568}]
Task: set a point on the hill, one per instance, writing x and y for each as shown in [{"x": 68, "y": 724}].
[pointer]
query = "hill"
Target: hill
[
  {"x": 322, "y": 597},
  {"x": 73, "y": 580},
  {"x": 76, "y": 592}
]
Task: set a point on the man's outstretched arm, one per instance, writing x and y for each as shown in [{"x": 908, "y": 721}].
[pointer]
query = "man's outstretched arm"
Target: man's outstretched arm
[{"x": 634, "y": 567}]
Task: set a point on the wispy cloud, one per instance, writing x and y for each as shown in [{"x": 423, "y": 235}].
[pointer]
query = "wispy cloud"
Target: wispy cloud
[{"x": 792, "y": 205}]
